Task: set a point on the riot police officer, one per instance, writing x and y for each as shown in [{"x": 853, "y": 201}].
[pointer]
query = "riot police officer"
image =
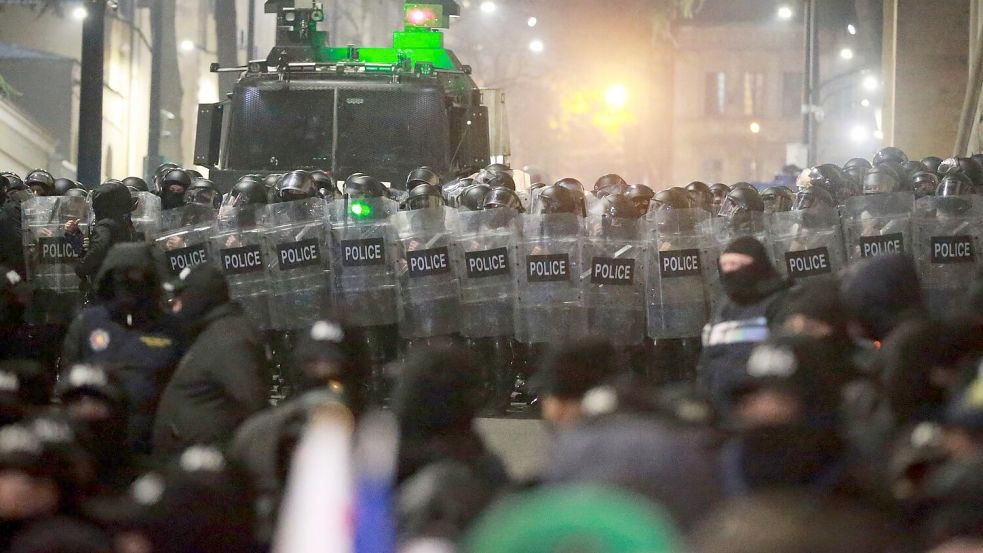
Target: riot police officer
[
  {"x": 965, "y": 165},
  {"x": 326, "y": 185},
  {"x": 173, "y": 185},
  {"x": 250, "y": 190},
  {"x": 111, "y": 206},
  {"x": 641, "y": 196},
  {"x": 15, "y": 192},
  {"x": 741, "y": 200},
  {"x": 890, "y": 154},
  {"x": 360, "y": 186},
  {"x": 719, "y": 191},
  {"x": 424, "y": 196},
  {"x": 576, "y": 188},
  {"x": 422, "y": 175},
  {"x": 203, "y": 192},
  {"x": 556, "y": 199},
  {"x": 933, "y": 163},
  {"x": 136, "y": 184},
  {"x": 473, "y": 197},
  {"x": 672, "y": 198},
  {"x": 701, "y": 194},
  {"x": 811, "y": 197},
  {"x": 41, "y": 183},
  {"x": 503, "y": 197},
  {"x": 777, "y": 199},
  {"x": 159, "y": 173},
  {"x": 63, "y": 185},
  {"x": 881, "y": 179},
  {"x": 295, "y": 186},
  {"x": 495, "y": 178},
  {"x": 856, "y": 169},
  {"x": 924, "y": 183},
  {"x": 609, "y": 184}
]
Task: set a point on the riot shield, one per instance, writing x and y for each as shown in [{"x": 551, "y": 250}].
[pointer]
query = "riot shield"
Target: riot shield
[
  {"x": 723, "y": 231},
  {"x": 679, "y": 261},
  {"x": 947, "y": 239},
  {"x": 807, "y": 243},
  {"x": 184, "y": 236},
  {"x": 361, "y": 261},
  {"x": 426, "y": 285},
  {"x": 614, "y": 282},
  {"x": 49, "y": 257},
  {"x": 550, "y": 303},
  {"x": 877, "y": 224},
  {"x": 237, "y": 250},
  {"x": 483, "y": 255},
  {"x": 296, "y": 250},
  {"x": 147, "y": 216}
]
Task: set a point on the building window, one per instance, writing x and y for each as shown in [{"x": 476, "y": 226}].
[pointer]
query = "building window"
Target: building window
[
  {"x": 716, "y": 99},
  {"x": 754, "y": 94},
  {"x": 791, "y": 94}
]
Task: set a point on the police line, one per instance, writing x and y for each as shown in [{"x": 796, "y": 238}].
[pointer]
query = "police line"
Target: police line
[{"x": 421, "y": 267}]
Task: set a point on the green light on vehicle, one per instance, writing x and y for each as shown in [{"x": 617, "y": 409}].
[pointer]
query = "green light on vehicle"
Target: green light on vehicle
[{"x": 360, "y": 210}]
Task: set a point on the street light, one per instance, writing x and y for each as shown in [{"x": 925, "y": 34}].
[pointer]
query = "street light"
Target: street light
[
  {"x": 785, "y": 13},
  {"x": 870, "y": 83},
  {"x": 846, "y": 54},
  {"x": 859, "y": 134},
  {"x": 488, "y": 6},
  {"x": 755, "y": 127},
  {"x": 865, "y": 103},
  {"x": 852, "y": 29},
  {"x": 532, "y": 22},
  {"x": 187, "y": 45},
  {"x": 616, "y": 96},
  {"x": 537, "y": 46},
  {"x": 80, "y": 13}
]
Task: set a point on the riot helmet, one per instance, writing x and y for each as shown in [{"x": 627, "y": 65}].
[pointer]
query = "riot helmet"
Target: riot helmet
[
  {"x": 965, "y": 165},
  {"x": 741, "y": 200},
  {"x": 327, "y": 187},
  {"x": 925, "y": 183},
  {"x": 618, "y": 216},
  {"x": 77, "y": 193},
  {"x": 955, "y": 184},
  {"x": 296, "y": 185},
  {"x": 16, "y": 189},
  {"x": 204, "y": 193},
  {"x": 473, "y": 197},
  {"x": 558, "y": 199},
  {"x": 173, "y": 185},
  {"x": 159, "y": 173},
  {"x": 701, "y": 194},
  {"x": 674, "y": 198},
  {"x": 777, "y": 199},
  {"x": 912, "y": 166},
  {"x": 742, "y": 184},
  {"x": 577, "y": 189},
  {"x": 503, "y": 197},
  {"x": 452, "y": 190},
  {"x": 422, "y": 175},
  {"x": 136, "y": 184},
  {"x": 498, "y": 168},
  {"x": 610, "y": 184},
  {"x": 248, "y": 191},
  {"x": 41, "y": 182},
  {"x": 719, "y": 191},
  {"x": 856, "y": 169},
  {"x": 362, "y": 186},
  {"x": 881, "y": 179},
  {"x": 63, "y": 185},
  {"x": 950, "y": 193},
  {"x": 890, "y": 154},
  {"x": 641, "y": 196},
  {"x": 495, "y": 179},
  {"x": 195, "y": 174},
  {"x": 112, "y": 200},
  {"x": 424, "y": 196},
  {"x": 814, "y": 196},
  {"x": 933, "y": 162}
]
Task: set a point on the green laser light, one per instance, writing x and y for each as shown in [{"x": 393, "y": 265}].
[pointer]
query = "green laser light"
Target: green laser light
[{"x": 360, "y": 210}]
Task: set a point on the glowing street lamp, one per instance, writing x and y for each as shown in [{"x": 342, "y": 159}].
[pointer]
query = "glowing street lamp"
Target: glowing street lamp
[
  {"x": 80, "y": 13},
  {"x": 537, "y": 46},
  {"x": 785, "y": 13},
  {"x": 488, "y": 7},
  {"x": 532, "y": 22},
  {"x": 870, "y": 83},
  {"x": 755, "y": 127},
  {"x": 846, "y": 54},
  {"x": 616, "y": 96},
  {"x": 187, "y": 45},
  {"x": 852, "y": 29},
  {"x": 859, "y": 134}
]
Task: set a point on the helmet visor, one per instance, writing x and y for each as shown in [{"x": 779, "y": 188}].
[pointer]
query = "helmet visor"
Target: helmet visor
[
  {"x": 424, "y": 202},
  {"x": 729, "y": 208},
  {"x": 879, "y": 183},
  {"x": 201, "y": 196}
]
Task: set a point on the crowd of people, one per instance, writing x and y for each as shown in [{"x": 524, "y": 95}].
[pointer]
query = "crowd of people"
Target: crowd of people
[{"x": 827, "y": 414}]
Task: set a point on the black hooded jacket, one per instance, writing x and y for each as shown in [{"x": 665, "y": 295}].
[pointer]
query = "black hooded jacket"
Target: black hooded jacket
[{"x": 219, "y": 382}]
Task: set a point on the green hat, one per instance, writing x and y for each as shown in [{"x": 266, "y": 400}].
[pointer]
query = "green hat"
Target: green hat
[{"x": 579, "y": 518}]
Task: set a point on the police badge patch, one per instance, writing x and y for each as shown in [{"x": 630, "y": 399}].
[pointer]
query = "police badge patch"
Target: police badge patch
[{"x": 99, "y": 340}]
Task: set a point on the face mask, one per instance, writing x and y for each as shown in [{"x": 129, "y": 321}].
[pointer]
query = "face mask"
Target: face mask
[{"x": 743, "y": 285}]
